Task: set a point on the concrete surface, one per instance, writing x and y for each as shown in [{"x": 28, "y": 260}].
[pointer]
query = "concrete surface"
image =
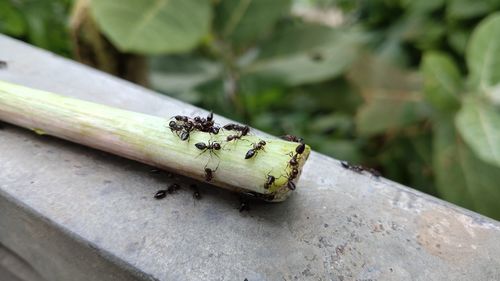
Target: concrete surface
[{"x": 75, "y": 213}]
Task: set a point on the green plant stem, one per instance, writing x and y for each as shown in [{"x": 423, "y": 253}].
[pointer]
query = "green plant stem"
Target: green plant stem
[{"x": 148, "y": 139}]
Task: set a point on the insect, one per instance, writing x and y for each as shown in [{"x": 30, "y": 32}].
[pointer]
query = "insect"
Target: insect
[
  {"x": 3, "y": 64},
  {"x": 244, "y": 206},
  {"x": 173, "y": 188},
  {"x": 161, "y": 194},
  {"x": 233, "y": 137},
  {"x": 196, "y": 192},
  {"x": 209, "y": 174},
  {"x": 184, "y": 135},
  {"x": 292, "y": 138},
  {"x": 181, "y": 118},
  {"x": 174, "y": 126},
  {"x": 212, "y": 146},
  {"x": 290, "y": 185},
  {"x": 210, "y": 116},
  {"x": 230, "y": 126},
  {"x": 215, "y": 130},
  {"x": 356, "y": 168},
  {"x": 256, "y": 147},
  {"x": 245, "y": 130},
  {"x": 269, "y": 182},
  {"x": 293, "y": 161},
  {"x": 300, "y": 148},
  {"x": 374, "y": 172}
]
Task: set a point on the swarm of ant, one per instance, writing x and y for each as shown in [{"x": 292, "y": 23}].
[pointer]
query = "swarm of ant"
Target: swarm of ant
[{"x": 184, "y": 126}]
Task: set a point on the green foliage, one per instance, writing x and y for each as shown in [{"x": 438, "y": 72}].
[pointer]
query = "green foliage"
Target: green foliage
[
  {"x": 242, "y": 22},
  {"x": 478, "y": 123},
  {"x": 153, "y": 26},
  {"x": 483, "y": 57},
  {"x": 42, "y": 23},
  {"x": 442, "y": 81}
]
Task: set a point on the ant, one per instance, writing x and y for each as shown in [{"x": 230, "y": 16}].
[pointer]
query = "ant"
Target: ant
[
  {"x": 290, "y": 177},
  {"x": 161, "y": 194},
  {"x": 292, "y": 138},
  {"x": 184, "y": 135},
  {"x": 244, "y": 206},
  {"x": 196, "y": 193},
  {"x": 300, "y": 148},
  {"x": 209, "y": 174},
  {"x": 293, "y": 161},
  {"x": 269, "y": 182},
  {"x": 232, "y": 137},
  {"x": 235, "y": 127},
  {"x": 181, "y": 118},
  {"x": 211, "y": 146},
  {"x": 359, "y": 169},
  {"x": 256, "y": 147},
  {"x": 173, "y": 188}
]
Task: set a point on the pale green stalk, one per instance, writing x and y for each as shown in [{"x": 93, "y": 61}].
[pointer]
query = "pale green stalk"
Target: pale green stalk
[{"x": 148, "y": 139}]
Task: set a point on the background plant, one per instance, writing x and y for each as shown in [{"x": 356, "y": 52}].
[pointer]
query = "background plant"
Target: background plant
[{"x": 408, "y": 87}]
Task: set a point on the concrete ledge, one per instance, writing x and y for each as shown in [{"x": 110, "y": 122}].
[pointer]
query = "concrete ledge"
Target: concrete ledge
[{"x": 75, "y": 213}]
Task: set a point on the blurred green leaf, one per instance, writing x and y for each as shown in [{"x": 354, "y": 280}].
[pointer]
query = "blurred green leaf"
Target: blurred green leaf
[
  {"x": 153, "y": 26},
  {"x": 442, "y": 81},
  {"x": 392, "y": 96},
  {"x": 478, "y": 123},
  {"x": 423, "y": 6},
  {"x": 483, "y": 53},
  {"x": 243, "y": 21},
  {"x": 179, "y": 73},
  {"x": 457, "y": 39},
  {"x": 465, "y": 9},
  {"x": 11, "y": 20},
  {"x": 461, "y": 177},
  {"x": 305, "y": 63}
]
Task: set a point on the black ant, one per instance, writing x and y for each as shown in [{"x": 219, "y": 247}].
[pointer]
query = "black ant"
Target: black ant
[
  {"x": 161, "y": 194},
  {"x": 292, "y": 138},
  {"x": 359, "y": 169},
  {"x": 290, "y": 177},
  {"x": 269, "y": 182},
  {"x": 232, "y": 137},
  {"x": 3, "y": 64},
  {"x": 196, "y": 193},
  {"x": 244, "y": 206},
  {"x": 211, "y": 146},
  {"x": 256, "y": 147},
  {"x": 173, "y": 188},
  {"x": 181, "y": 118},
  {"x": 293, "y": 161},
  {"x": 184, "y": 135},
  {"x": 235, "y": 127},
  {"x": 300, "y": 148},
  {"x": 209, "y": 174}
]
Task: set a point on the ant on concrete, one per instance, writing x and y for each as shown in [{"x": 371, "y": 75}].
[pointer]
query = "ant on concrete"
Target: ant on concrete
[
  {"x": 161, "y": 194},
  {"x": 256, "y": 147},
  {"x": 359, "y": 169},
  {"x": 173, "y": 188},
  {"x": 196, "y": 192}
]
